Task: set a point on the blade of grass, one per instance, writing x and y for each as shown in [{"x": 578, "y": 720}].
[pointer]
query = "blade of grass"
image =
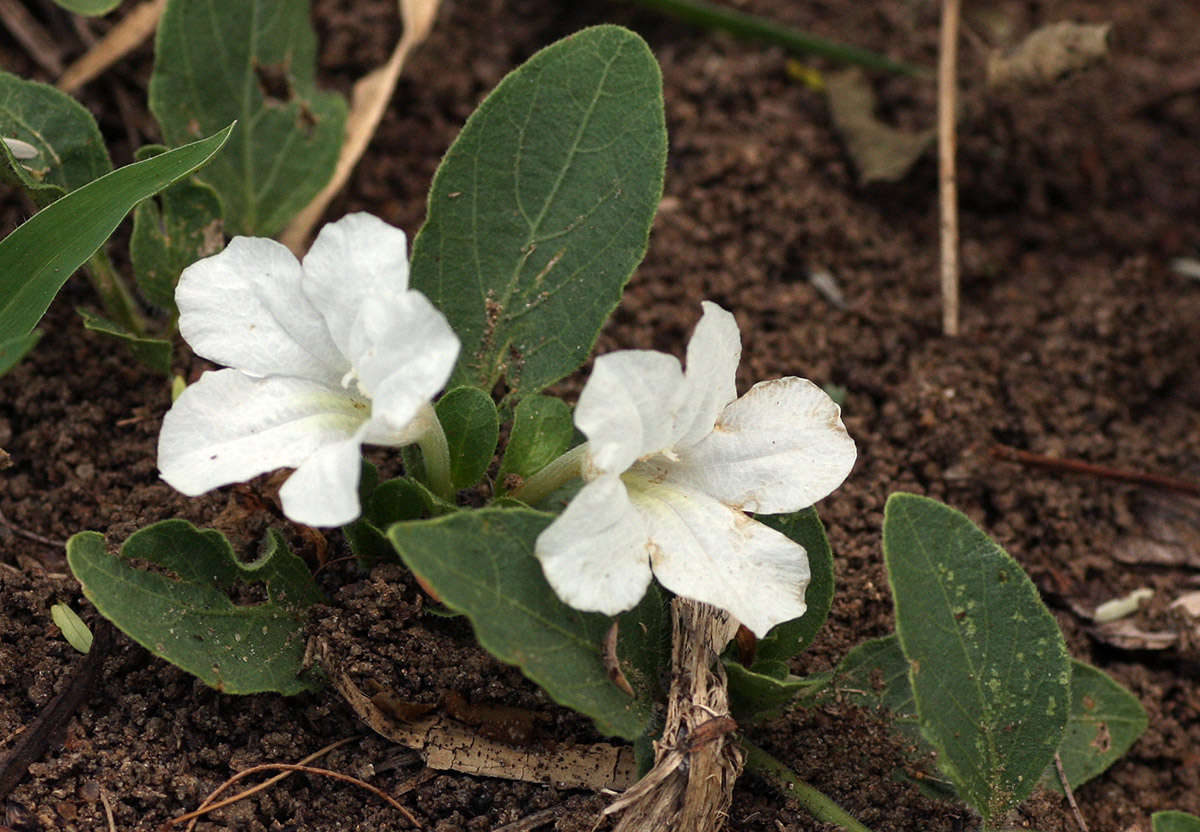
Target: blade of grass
[
  {"x": 753, "y": 27},
  {"x": 793, "y": 788}
]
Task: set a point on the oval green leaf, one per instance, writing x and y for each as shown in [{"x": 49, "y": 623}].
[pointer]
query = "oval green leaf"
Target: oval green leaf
[
  {"x": 90, "y": 8},
  {"x": 542, "y": 207},
  {"x": 38, "y": 257},
  {"x": 542, "y": 431},
  {"x": 987, "y": 663},
  {"x": 468, "y": 416},
  {"x": 791, "y": 637},
  {"x": 1174, "y": 821},
  {"x": 190, "y": 618},
  {"x": 481, "y": 564},
  {"x": 250, "y": 61},
  {"x": 73, "y": 629}
]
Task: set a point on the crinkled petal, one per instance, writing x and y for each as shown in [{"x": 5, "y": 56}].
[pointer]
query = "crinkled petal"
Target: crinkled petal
[
  {"x": 710, "y": 376},
  {"x": 403, "y": 351},
  {"x": 323, "y": 491},
  {"x": 779, "y": 448},
  {"x": 358, "y": 259},
  {"x": 594, "y": 554},
  {"x": 229, "y": 427},
  {"x": 627, "y": 408},
  {"x": 706, "y": 551},
  {"x": 245, "y": 308}
]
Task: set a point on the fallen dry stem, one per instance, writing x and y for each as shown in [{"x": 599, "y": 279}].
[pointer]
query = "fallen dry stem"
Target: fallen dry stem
[
  {"x": 208, "y": 805},
  {"x": 368, "y": 102},
  {"x": 1078, "y": 466},
  {"x": 121, "y": 39},
  {"x": 948, "y": 185},
  {"x": 289, "y": 767},
  {"x": 1069, "y": 792}
]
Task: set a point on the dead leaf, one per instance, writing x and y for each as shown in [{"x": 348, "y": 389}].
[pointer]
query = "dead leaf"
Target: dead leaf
[
  {"x": 368, "y": 102},
  {"x": 447, "y": 745},
  {"x": 1125, "y": 635},
  {"x": 1171, "y": 534},
  {"x": 5, "y": 459},
  {"x": 881, "y": 153},
  {"x": 1049, "y": 54},
  {"x": 1188, "y": 602}
]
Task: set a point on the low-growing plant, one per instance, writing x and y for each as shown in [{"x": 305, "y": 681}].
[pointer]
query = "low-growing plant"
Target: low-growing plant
[{"x": 564, "y": 546}]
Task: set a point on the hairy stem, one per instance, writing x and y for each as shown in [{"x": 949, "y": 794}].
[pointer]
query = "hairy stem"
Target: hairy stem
[
  {"x": 792, "y": 787},
  {"x": 555, "y": 475},
  {"x": 114, "y": 294},
  {"x": 435, "y": 453}
]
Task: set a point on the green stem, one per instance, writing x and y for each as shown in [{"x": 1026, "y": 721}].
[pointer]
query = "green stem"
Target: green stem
[
  {"x": 114, "y": 294},
  {"x": 435, "y": 453},
  {"x": 760, "y": 28},
  {"x": 792, "y": 787},
  {"x": 555, "y": 475}
]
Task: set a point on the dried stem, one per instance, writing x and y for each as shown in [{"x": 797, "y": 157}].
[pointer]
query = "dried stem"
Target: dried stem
[
  {"x": 947, "y": 109},
  {"x": 691, "y": 784},
  {"x": 1078, "y": 466}
]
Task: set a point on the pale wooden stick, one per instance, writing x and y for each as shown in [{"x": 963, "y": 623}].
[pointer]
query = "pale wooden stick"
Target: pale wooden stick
[
  {"x": 947, "y": 108},
  {"x": 121, "y": 39},
  {"x": 368, "y": 102}
]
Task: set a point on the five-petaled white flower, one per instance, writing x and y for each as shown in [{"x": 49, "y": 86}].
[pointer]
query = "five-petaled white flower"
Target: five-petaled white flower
[
  {"x": 327, "y": 355},
  {"x": 673, "y": 461}
]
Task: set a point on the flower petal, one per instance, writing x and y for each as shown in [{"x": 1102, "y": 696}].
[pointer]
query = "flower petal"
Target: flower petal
[
  {"x": 403, "y": 351},
  {"x": 594, "y": 554},
  {"x": 704, "y": 550},
  {"x": 710, "y": 378},
  {"x": 229, "y": 427},
  {"x": 357, "y": 258},
  {"x": 779, "y": 448},
  {"x": 627, "y": 408},
  {"x": 323, "y": 491},
  {"x": 245, "y": 308}
]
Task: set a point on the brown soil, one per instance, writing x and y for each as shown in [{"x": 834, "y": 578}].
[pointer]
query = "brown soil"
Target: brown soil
[{"x": 1080, "y": 342}]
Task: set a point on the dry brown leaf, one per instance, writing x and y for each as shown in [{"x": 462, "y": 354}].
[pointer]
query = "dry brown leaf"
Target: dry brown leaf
[
  {"x": 368, "y": 102},
  {"x": 447, "y": 745},
  {"x": 121, "y": 39},
  {"x": 1189, "y": 602},
  {"x": 1125, "y": 635},
  {"x": 881, "y": 153},
  {"x": 1049, "y": 54},
  {"x": 1171, "y": 535}
]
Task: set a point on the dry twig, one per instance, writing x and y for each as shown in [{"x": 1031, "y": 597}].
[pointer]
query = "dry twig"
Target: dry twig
[
  {"x": 121, "y": 39},
  {"x": 1062, "y": 778},
  {"x": 1078, "y": 466},
  {"x": 948, "y": 186},
  {"x": 38, "y": 43}
]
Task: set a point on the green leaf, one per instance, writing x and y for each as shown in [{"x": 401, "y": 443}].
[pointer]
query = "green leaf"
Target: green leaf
[
  {"x": 14, "y": 349},
  {"x": 37, "y": 258},
  {"x": 542, "y": 207},
  {"x": 1105, "y": 721},
  {"x": 468, "y": 416},
  {"x": 542, "y": 431},
  {"x": 987, "y": 663},
  {"x": 481, "y": 564},
  {"x": 875, "y": 675},
  {"x": 253, "y": 61},
  {"x": 174, "y": 230},
  {"x": 1174, "y": 821},
  {"x": 73, "y": 629},
  {"x": 393, "y": 501},
  {"x": 791, "y": 637},
  {"x": 190, "y": 619},
  {"x": 759, "y": 694},
  {"x": 91, "y": 8},
  {"x": 71, "y": 152},
  {"x": 155, "y": 353}
]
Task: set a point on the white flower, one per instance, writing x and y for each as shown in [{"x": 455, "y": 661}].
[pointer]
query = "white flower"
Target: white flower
[
  {"x": 673, "y": 462},
  {"x": 328, "y": 354}
]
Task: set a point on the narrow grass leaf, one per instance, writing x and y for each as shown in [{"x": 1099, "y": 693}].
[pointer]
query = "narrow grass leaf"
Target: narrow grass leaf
[
  {"x": 37, "y": 258},
  {"x": 988, "y": 665},
  {"x": 194, "y": 618},
  {"x": 542, "y": 208}
]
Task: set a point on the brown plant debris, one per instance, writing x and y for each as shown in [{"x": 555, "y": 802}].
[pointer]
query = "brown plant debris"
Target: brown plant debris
[{"x": 1049, "y": 54}]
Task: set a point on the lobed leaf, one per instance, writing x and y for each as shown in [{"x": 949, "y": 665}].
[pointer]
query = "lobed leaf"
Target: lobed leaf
[
  {"x": 190, "y": 619},
  {"x": 71, "y": 151},
  {"x": 37, "y": 258},
  {"x": 481, "y": 563},
  {"x": 988, "y": 665},
  {"x": 251, "y": 61},
  {"x": 542, "y": 208}
]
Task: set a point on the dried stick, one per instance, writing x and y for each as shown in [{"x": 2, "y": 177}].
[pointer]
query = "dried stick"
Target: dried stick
[
  {"x": 38, "y": 43},
  {"x": 1062, "y": 778},
  {"x": 696, "y": 762},
  {"x": 368, "y": 102},
  {"x": 948, "y": 186},
  {"x": 1078, "y": 466},
  {"x": 121, "y": 39}
]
